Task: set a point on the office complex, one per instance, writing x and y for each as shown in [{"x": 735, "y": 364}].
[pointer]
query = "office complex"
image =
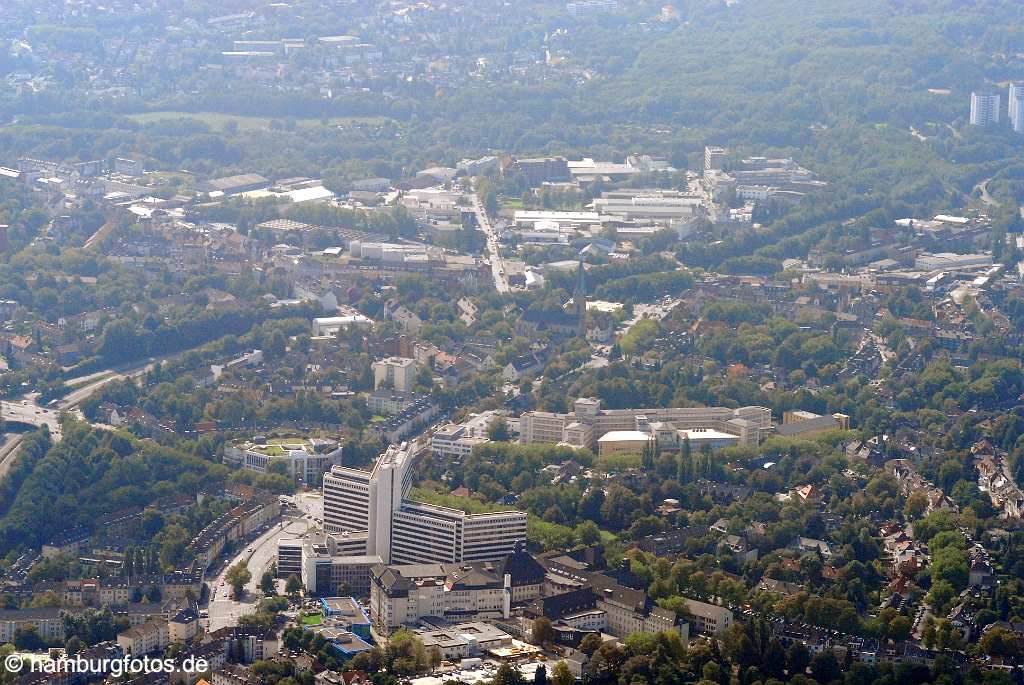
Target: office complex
[
  {"x": 305, "y": 460},
  {"x": 402, "y": 531},
  {"x": 588, "y": 423},
  {"x": 984, "y": 109}
]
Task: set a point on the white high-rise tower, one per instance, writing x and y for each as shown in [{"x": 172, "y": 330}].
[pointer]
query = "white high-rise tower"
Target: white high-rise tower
[{"x": 984, "y": 109}]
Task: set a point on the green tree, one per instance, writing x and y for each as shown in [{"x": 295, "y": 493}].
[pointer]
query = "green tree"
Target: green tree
[
  {"x": 587, "y": 533},
  {"x": 1000, "y": 642},
  {"x": 542, "y": 631},
  {"x": 267, "y": 585},
  {"x": 498, "y": 431},
  {"x": 940, "y": 597},
  {"x": 797, "y": 659},
  {"x": 561, "y": 675},
  {"x": 237, "y": 577},
  {"x": 591, "y": 643},
  {"x": 825, "y": 667},
  {"x": 506, "y": 675}
]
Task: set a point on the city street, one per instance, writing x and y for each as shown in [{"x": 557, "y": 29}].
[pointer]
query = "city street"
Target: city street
[
  {"x": 311, "y": 503},
  {"x": 493, "y": 249},
  {"x": 258, "y": 555}
]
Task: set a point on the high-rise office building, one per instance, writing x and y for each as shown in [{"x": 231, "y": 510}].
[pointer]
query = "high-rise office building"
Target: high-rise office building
[
  {"x": 714, "y": 157},
  {"x": 402, "y": 531},
  {"x": 984, "y": 109},
  {"x": 346, "y": 500}
]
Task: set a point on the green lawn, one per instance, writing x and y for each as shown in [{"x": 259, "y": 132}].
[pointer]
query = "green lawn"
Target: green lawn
[
  {"x": 313, "y": 620},
  {"x": 217, "y": 120}
]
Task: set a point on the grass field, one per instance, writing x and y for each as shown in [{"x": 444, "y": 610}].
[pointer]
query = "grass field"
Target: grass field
[
  {"x": 217, "y": 120},
  {"x": 312, "y": 619}
]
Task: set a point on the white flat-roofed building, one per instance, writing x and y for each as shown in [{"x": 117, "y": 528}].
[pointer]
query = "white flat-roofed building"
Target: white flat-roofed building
[
  {"x": 1016, "y": 108},
  {"x": 330, "y": 325},
  {"x": 648, "y": 208},
  {"x": 714, "y": 157},
  {"x": 423, "y": 533},
  {"x": 699, "y": 437},
  {"x": 492, "y": 536},
  {"x": 623, "y": 442},
  {"x": 528, "y": 218},
  {"x": 584, "y": 8},
  {"x": 950, "y": 260},
  {"x": 464, "y": 639},
  {"x": 453, "y": 442},
  {"x": 588, "y": 422},
  {"x": 587, "y": 170},
  {"x": 545, "y": 231}
]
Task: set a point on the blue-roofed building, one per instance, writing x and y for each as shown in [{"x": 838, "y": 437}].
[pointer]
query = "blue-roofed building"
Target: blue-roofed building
[
  {"x": 345, "y": 613},
  {"x": 342, "y": 641}
]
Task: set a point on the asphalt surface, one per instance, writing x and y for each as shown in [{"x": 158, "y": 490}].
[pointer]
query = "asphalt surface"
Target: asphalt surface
[
  {"x": 28, "y": 412},
  {"x": 493, "y": 249},
  {"x": 258, "y": 556}
]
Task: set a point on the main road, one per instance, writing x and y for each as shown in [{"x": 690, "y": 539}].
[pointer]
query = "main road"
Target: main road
[
  {"x": 258, "y": 555},
  {"x": 493, "y": 248},
  {"x": 27, "y": 412}
]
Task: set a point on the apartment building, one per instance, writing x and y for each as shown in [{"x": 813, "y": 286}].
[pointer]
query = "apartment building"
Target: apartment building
[
  {"x": 709, "y": 619},
  {"x": 184, "y": 625},
  {"x": 985, "y": 109},
  {"x": 47, "y": 622},
  {"x": 588, "y": 423},
  {"x": 398, "y": 373},
  {"x": 230, "y": 526},
  {"x": 387, "y": 402},
  {"x": 402, "y": 531},
  {"x": 1016, "y": 107},
  {"x": 152, "y": 636}
]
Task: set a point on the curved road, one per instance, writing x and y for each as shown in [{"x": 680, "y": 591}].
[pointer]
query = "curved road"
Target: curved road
[{"x": 224, "y": 609}]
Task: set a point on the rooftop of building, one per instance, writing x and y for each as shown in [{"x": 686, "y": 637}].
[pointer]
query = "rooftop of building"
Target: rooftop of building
[{"x": 624, "y": 436}]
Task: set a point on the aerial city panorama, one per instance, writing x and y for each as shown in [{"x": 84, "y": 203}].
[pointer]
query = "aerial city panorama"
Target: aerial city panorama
[{"x": 512, "y": 342}]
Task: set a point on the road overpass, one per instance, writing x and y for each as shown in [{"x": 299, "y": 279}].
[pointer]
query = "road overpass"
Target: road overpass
[{"x": 27, "y": 415}]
